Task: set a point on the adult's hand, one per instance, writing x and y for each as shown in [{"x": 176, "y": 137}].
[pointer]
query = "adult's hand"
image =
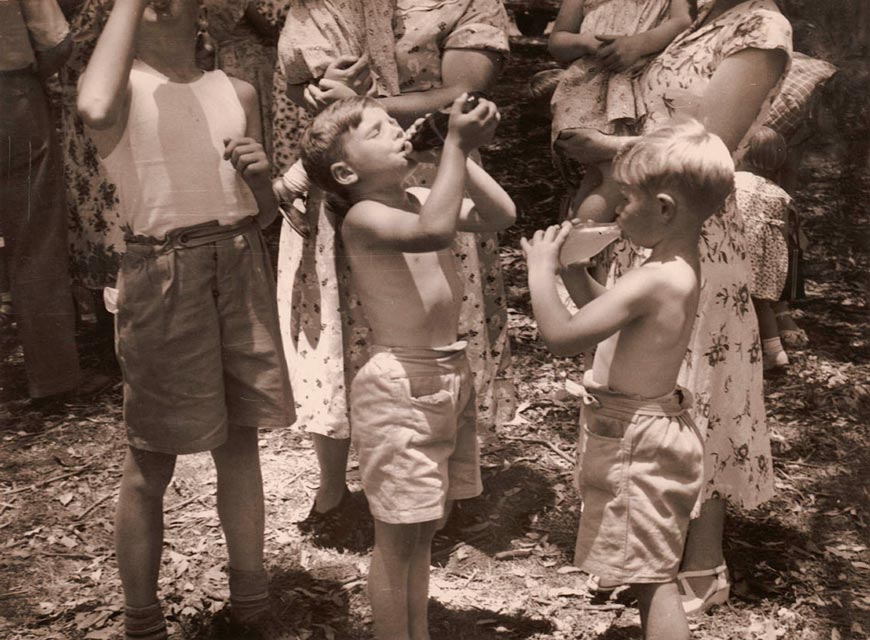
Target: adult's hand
[
  {"x": 589, "y": 146},
  {"x": 353, "y": 72},
  {"x": 319, "y": 96},
  {"x": 618, "y": 53}
]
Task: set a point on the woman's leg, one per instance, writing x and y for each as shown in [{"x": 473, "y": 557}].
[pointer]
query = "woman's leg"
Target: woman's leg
[
  {"x": 703, "y": 549},
  {"x": 332, "y": 461},
  {"x": 598, "y": 203}
]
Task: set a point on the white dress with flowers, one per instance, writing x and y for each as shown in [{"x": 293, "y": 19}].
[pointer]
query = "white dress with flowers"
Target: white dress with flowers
[{"x": 723, "y": 364}]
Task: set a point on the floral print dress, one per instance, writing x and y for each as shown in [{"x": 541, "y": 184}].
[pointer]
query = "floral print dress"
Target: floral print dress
[
  {"x": 95, "y": 234},
  {"x": 244, "y": 53},
  {"x": 723, "y": 363},
  {"x": 323, "y": 328}
]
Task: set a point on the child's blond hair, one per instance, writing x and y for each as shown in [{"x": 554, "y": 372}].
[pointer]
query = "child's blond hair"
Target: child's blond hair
[
  {"x": 766, "y": 154},
  {"x": 322, "y": 144},
  {"x": 684, "y": 157}
]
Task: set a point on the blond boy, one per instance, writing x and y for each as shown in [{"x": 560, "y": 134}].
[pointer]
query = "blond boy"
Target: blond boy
[{"x": 641, "y": 457}]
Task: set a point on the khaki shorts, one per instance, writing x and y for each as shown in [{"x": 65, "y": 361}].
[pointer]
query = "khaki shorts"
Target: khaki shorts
[
  {"x": 198, "y": 341},
  {"x": 640, "y": 473},
  {"x": 414, "y": 427}
]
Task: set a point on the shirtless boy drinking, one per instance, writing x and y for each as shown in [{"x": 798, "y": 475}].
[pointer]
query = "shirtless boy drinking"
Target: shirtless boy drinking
[
  {"x": 412, "y": 404},
  {"x": 641, "y": 457}
]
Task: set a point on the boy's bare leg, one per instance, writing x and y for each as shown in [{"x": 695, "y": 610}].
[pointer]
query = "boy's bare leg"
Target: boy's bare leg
[
  {"x": 332, "y": 460},
  {"x": 442, "y": 521},
  {"x": 661, "y": 611},
  {"x": 389, "y": 572},
  {"x": 240, "y": 497},
  {"x": 418, "y": 580},
  {"x": 139, "y": 523},
  {"x": 704, "y": 544}
]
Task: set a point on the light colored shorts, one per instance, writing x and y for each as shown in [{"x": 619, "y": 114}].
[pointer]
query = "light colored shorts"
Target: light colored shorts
[
  {"x": 414, "y": 427},
  {"x": 640, "y": 471},
  {"x": 198, "y": 341}
]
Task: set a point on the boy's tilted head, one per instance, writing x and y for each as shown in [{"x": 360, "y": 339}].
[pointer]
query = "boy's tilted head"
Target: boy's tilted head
[
  {"x": 352, "y": 144},
  {"x": 681, "y": 161}
]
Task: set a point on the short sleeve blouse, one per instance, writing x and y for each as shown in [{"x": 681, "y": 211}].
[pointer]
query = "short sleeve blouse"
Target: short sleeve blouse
[{"x": 689, "y": 62}]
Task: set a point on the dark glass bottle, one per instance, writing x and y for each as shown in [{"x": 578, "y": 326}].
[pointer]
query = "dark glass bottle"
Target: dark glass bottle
[{"x": 433, "y": 129}]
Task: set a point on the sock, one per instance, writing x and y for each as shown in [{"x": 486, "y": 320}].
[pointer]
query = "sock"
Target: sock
[
  {"x": 144, "y": 623},
  {"x": 249, "y": 594},
  {"x": 772, "y": 345}
]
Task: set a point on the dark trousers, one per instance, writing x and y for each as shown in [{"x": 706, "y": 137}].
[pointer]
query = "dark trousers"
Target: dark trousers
[{"x": 34, "y": 227}]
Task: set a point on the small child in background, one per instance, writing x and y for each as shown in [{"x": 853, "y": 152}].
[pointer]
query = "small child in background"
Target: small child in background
[
  {"x": 640, "y": 467},
  {"x": 413, "y": 410},
  {"x": 605, "y": 42},
  {"x": 765, "y": 209}
]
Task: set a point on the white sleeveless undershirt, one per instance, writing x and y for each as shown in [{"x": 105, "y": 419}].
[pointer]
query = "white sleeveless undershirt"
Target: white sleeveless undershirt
[{"x": 168, "y": 166}]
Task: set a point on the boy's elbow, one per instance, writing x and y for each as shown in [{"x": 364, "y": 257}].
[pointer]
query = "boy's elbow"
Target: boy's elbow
[
  {"x": 509, "y": 216},
  {"x": 557, "y": 50},
  {"x": 95, "y": 115}
]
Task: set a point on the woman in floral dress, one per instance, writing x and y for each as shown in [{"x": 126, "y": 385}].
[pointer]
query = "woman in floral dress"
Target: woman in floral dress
[
  {"x": 441, "y": 49},
  {"x": 725, "y": 70},
  {"x": 96, "y": 237},
  {"x": 245, "y": 40}
]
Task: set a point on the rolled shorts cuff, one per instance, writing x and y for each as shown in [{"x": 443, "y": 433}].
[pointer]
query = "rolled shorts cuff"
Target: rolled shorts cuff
[{"x": 406, "y": 516}]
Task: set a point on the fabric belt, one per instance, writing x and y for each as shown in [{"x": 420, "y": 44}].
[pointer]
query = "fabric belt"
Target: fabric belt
[{"x": 194, "y": 235}]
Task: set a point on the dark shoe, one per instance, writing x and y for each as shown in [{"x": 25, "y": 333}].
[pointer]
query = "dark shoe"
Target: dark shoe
[{"x": 328, "y": 523}]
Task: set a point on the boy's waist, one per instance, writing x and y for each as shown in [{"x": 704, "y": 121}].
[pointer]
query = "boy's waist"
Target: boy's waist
[
  {"x": 191, "y": 236},
  {"x": 598, "y": 396},
  {"x": 424, "y": 359}
]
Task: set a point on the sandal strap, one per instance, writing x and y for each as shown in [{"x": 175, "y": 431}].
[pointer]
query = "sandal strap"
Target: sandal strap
[{"x": 701, "y": 573}]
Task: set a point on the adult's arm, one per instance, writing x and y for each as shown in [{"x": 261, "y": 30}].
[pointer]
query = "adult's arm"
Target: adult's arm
[
  {"x": 462, "y": 70},
  {"x": 737, "y": 91}
]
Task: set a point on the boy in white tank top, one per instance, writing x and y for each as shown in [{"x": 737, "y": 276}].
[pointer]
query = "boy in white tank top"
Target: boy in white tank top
[{"x": 197, "y": 331}]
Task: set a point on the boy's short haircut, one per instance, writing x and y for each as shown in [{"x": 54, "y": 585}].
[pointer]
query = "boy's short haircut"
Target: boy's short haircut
[
  {"x": 322, "y": 144},
  {"x": 683, "y": 156},
  {"x": 766, "y": 154}
]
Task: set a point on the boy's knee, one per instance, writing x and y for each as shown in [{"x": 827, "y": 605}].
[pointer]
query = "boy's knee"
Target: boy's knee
[{"x": 148, "y": 473}]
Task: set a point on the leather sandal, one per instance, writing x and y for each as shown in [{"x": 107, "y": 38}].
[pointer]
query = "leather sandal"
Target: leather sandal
[{"x": 717, "y": 593}]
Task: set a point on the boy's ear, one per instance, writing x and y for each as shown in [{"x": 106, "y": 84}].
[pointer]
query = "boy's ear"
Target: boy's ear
[
  {"x": 343, "y": 173},
  {"x": 667, "y": 206}
]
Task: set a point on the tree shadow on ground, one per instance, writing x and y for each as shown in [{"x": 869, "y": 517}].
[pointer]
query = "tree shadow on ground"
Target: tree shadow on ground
[
  {"x": 480, "y": 624},
  {"x": 511, "y": 497}
]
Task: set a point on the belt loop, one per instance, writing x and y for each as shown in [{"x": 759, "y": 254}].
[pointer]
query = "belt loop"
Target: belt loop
[{"x": 588, "y": 399}]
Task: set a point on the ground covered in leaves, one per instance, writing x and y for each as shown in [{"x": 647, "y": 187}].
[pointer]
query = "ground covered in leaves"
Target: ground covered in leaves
[{"x": 502, "y": 569}]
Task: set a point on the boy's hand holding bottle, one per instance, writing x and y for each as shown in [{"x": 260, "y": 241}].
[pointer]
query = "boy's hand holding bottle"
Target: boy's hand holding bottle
[
  {"x": 542, "y": 250},
  {"x": 473, "y": 129}
]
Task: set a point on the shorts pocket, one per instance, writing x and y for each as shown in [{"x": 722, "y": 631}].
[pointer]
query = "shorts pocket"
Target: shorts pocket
[
  {"x": 432, "y": 399},
  {"x": 602, "y": 463}
]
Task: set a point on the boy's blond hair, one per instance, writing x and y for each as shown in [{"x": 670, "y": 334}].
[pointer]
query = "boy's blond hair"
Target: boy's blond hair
[
  {"x": 684, "y": 157},
  {"x": 322, "y": 144}
]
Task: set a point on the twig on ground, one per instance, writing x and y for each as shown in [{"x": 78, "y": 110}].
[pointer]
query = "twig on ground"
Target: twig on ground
[
  {"x": 547, "y": 444},
  {"x": 183, "y": 503},
  {"x": 14, "y": 594},
  {"x": 42, "y": 483},
  {"x": 93, "y": 506},
  {"x": 513, "y": 553}
]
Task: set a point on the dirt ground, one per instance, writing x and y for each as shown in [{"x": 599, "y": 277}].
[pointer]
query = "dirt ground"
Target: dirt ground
[{"x": 503, "y": 567}]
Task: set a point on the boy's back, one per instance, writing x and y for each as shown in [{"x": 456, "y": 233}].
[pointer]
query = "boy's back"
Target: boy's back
[{"x": 644, "y": 358}]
